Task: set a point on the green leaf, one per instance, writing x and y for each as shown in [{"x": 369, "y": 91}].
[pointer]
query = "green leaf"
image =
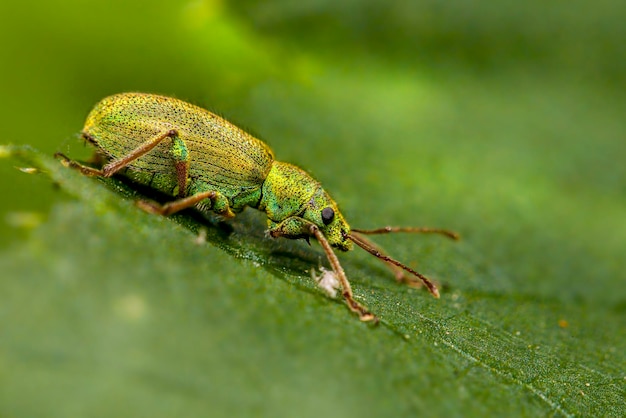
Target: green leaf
[
  {"x": 108, "y": 309},
  {"x": 502, "y": 121}
]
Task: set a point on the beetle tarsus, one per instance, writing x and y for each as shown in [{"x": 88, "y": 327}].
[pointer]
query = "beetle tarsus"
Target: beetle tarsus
[
  {"x": 356, "y": 307},
  {"x": 85, "y": 170}
]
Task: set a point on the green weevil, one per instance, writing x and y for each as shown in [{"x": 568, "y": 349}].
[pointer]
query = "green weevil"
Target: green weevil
[{"x": 206, "y": 162}]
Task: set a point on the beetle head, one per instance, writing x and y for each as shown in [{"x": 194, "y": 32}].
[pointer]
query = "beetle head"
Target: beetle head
[{"x": 323, "y": 212}]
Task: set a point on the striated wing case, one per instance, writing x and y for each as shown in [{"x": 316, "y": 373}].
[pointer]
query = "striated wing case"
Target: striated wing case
[{"x": 220, "y": 154}]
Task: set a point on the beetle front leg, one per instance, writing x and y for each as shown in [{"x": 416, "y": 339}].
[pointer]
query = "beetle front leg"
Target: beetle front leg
[
  {"x": 294, "y": 228},
  {"x": 356, "y": 307},
  {"x": 291, "y": 228}
]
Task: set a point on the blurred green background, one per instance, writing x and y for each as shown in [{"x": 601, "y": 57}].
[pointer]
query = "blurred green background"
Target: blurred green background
[{"x": 504, "y": 121}]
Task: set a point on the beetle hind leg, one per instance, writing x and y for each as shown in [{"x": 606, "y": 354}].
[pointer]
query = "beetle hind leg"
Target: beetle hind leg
[{"x": 179, "y": 153}]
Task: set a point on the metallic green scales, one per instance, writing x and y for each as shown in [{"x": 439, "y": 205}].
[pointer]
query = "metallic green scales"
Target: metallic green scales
[{"x": 221, "y": 156}]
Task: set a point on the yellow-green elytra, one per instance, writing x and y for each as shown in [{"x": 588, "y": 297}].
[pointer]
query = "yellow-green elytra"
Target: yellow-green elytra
[{"x": 208, "y": 163}]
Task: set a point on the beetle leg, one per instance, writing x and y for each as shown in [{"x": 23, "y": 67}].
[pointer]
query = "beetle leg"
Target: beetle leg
[
  {"x": 356, "y": 307},
  {"x": 116, "y": 165},
  {"x": 181, "y": 160},
  {"x": 85, "y": 170},
  {"x": 219, "y": 204},
  {"x": 180, "y": 154},
  {"x": 295, "y": 227},
  {"x": 290, "y": 228}
]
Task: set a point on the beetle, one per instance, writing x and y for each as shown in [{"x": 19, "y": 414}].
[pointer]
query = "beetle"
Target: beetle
[{"x": 208, "y": 163}]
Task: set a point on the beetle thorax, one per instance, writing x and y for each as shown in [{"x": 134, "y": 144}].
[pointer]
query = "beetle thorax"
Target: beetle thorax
[
  {"x": 286, "y": 190},
  {"x": 293, "y": 201}
]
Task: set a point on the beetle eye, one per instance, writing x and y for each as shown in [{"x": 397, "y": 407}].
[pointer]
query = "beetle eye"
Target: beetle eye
[{"x": 327, "y": 215}]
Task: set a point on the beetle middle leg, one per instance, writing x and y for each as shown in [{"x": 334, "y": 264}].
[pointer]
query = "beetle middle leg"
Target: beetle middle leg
[
  {"x": 219, "y": 204},
  {"x": 296, "y": 227}
]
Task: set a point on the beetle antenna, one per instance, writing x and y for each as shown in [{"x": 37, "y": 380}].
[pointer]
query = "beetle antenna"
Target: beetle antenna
[
  {"x": 416, "y": 230},
  {"x": 375, "y": 252}
]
